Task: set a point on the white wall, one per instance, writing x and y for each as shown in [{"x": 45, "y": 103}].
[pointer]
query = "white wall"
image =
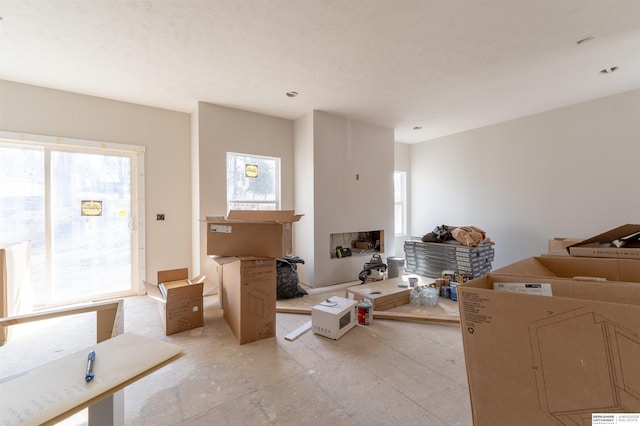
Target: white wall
[
  {"x": 402, "y": 163},
  {"x": 570, "y": 172},
  {"x": 304, "y": 236},
  {"x": 352, "y": 190},
  {"x": 221, "y": 130},
  {"x": 165, "y": 134}
]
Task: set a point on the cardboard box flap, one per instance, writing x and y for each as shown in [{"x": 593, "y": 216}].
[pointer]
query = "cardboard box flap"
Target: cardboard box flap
[
  {"x": 174, "y": 280},
  {"x": 607, "y": 239},
  {"x": 169, "y": 285},
  {"x": 528, "y": 267},
  {"x": 173, "y": 275},
  {"x": 280, "y": 216},
  {"x": 153, "y": 291},
  {"x": 223, "y": 260},
  {"x": 578, "y": 268},
  {"x": 182, "y": 290},
  {"x": 609, "y": 291},
  {"x": 198, "y": 279}
]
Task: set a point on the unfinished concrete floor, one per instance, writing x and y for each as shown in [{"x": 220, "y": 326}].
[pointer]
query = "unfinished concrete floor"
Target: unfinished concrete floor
[{"x": 387, "y": 373}]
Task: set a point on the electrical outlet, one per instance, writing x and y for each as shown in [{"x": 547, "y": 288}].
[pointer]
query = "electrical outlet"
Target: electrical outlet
[{"x": 160, "y": 216}]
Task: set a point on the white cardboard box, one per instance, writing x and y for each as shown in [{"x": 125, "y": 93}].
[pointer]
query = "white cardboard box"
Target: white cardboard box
[{"x": 334, "y": 317}]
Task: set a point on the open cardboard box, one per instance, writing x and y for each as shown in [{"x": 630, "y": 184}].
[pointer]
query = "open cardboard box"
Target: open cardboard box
[
  {"x": 261, "y": 233},
  {"x": 550, "y": 360},
  {"x": 573, "y": 267},
  {"x": 180, "y": 299},
  {"x": 620, "y": 242}
]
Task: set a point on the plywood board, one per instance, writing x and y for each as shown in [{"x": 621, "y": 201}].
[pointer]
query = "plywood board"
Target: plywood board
[
  {"x": 384, "y": 295},
  {"x": 445, "y": 311},
  {"x": 51, "y": 392}
]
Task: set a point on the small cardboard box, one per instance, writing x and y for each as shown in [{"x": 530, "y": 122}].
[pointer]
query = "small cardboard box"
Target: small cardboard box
[
  {"x": 577, "y": 268},
  {"x": 334, "y": 317},
  {"x": 363, "y": 245},
  {"x": 260, "y": 233},
  {"x": 383, "y": 295},
  {"x": 248, "y": 297},
  {"x": 180, "y": 300},
  {"x": 560, "y": 244},
  {"x": 538, "y": 360},
  {"x": 620, "y": 242}
]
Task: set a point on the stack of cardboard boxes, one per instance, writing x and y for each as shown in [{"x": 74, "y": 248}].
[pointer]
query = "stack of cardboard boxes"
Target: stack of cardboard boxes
[
  {"x": 551, "y": 340},
  {"x": 245, "y": 245}
]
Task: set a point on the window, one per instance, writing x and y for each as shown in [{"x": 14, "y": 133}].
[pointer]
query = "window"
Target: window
[
  {"x": 76, "y": 202},
  {"x": 400, "y": 202},
  {"x": 253, "y": 182}
]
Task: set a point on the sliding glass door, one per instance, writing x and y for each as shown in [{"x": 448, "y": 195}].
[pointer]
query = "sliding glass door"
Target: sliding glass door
[{"x": 77, "y": 206}]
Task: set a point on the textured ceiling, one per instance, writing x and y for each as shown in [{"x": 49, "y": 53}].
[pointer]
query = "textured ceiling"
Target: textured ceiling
[{"x": 447, "y": 66}]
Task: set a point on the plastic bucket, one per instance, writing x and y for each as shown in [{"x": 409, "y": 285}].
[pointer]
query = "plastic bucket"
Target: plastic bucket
[{"x": 396, "y": 266}]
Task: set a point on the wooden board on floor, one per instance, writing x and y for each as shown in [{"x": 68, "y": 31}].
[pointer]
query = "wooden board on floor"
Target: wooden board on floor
[
  {"x": 384, "y": 295},
  {"x": 52, "y": 392},
  {"x": 445, "y": 311}
]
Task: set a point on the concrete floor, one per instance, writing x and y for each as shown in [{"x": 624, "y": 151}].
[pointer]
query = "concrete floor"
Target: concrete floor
[{"x": 387, "y": 373}]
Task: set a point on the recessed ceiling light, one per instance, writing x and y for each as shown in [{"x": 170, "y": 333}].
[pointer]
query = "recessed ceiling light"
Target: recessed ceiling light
[
  {"x": 609, "y": 70},
  {"x": 417, "y": 128},
  {"x": 292, "y": 94}
]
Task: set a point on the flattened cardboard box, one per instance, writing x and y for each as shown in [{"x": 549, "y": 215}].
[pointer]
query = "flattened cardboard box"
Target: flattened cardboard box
[
  {"x": 260, "y": 233},
  {"x": 248, "y": 297},
  {"x": 573, "y": 267},
  {"x": 607, "y": 244},
  {"x": 383, "y": 295},
  {"x": 550, "y": 360},
  {"x": 180, "y": 300}
]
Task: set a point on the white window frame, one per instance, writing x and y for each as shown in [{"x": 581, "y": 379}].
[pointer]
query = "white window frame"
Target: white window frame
[
  {"x": 402, "y": 203},
  {"x": 257, "y": 203},
  {"x": 136, "y": 224}
]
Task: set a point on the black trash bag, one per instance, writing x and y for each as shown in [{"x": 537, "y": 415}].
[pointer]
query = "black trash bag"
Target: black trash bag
[
  {"x": 287, "y": 282},
  {"x": 430, "y": 238},
  {"x": 440, "y": 234}
]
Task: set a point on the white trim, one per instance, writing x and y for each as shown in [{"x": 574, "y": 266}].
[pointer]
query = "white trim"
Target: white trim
[
  {"x": 136, "y": 223},
  {"x": 403, "y": 202},
  {"x": 61, "y": 142},
  {"x": 278, "y": 178}
]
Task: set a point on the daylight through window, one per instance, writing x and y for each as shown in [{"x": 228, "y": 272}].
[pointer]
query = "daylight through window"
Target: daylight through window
[{"x": 253, "y": 182}]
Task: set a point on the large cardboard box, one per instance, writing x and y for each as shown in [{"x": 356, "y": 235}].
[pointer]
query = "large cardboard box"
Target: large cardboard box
[
  {"x": 248, "y": 297},
  {"x": 333, "y": 317},
  {"x": 180, "y": 300},
  {"x": 383, "y": 295},
  {"x": 550, "y": 360},
  {"x": 572, "y": 267},
  {"x": 260, "y": 233},
  {"x": 621, "y": 242}
]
